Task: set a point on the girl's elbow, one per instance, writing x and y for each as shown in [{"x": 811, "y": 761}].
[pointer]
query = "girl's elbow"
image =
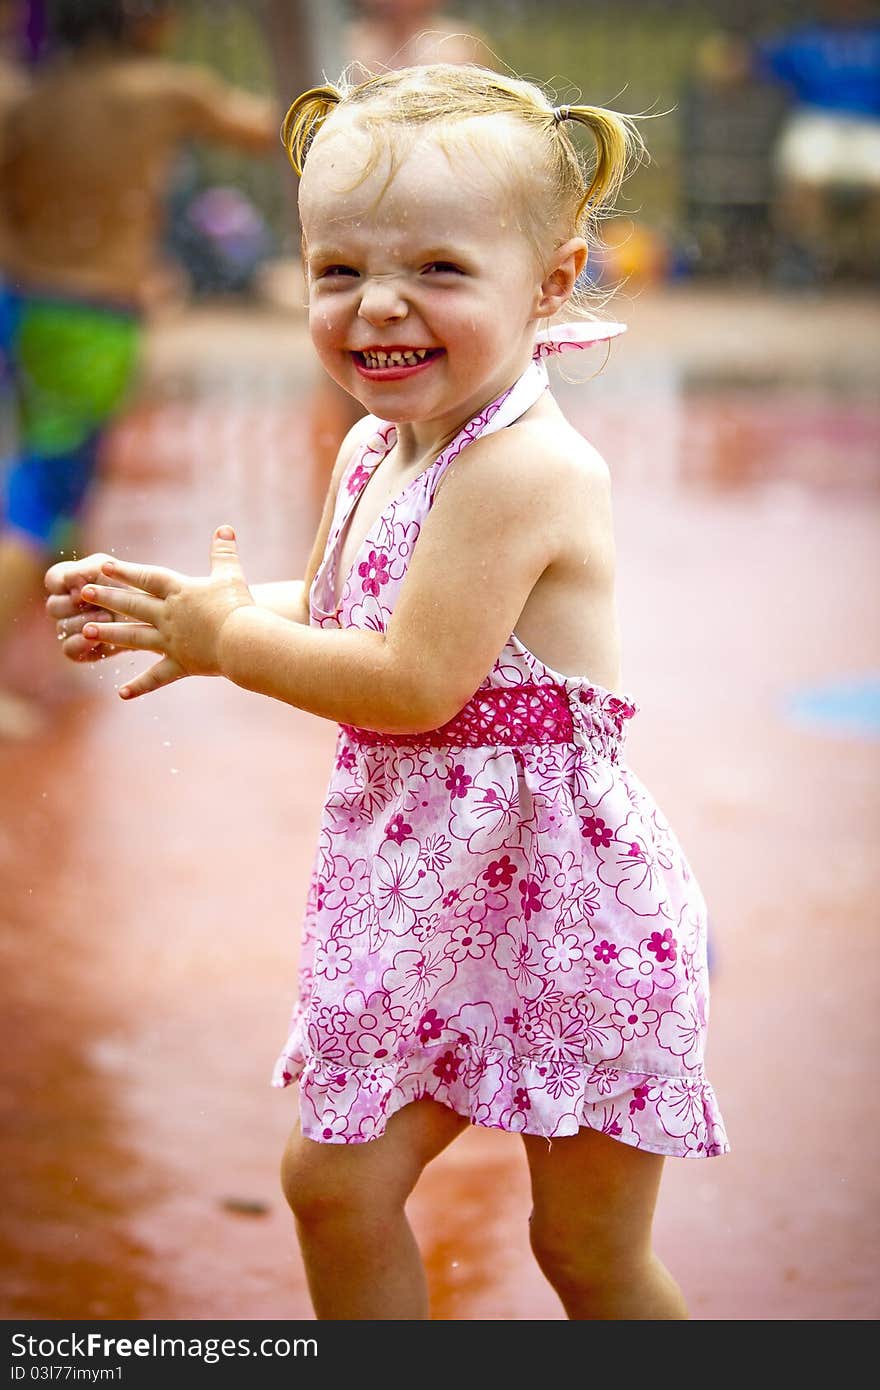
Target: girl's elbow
[{"x": 424, "y": 708}]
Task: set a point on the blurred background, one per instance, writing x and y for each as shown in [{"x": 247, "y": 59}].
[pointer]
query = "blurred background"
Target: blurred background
[{"x": 154, "y": 860}]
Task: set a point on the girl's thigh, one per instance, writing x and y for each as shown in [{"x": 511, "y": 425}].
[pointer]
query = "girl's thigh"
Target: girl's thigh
[
  {"x": 386, "y": 1168},
  {"x": 591, "y": 1188}
]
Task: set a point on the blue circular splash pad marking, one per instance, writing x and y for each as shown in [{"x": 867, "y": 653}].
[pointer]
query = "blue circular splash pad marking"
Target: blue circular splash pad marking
[{"x": 846, "y": 707}]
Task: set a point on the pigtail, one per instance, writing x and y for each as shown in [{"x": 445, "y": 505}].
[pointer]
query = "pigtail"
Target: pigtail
[
  {"x": 616, "y": 139},
  {"x": 303, "y": 121}
]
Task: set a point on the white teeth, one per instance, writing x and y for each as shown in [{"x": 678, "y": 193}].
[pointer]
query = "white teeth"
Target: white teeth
[{"x": 408, "y": 358}]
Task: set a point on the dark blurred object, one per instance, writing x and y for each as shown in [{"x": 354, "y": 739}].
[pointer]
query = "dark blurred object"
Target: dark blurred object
[
  {"x": 729, "y": 121},
  {"x": 827, "y": 157},
  {"x": 51, "y": 28},
  {"x": 218, "y": 236}
]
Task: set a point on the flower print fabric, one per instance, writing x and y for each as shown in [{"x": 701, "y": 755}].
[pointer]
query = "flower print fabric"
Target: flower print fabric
[{"x": 499, "y": 916}]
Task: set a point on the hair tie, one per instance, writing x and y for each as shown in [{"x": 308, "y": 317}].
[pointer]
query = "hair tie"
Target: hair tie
[{"x": 561, "y": 113}]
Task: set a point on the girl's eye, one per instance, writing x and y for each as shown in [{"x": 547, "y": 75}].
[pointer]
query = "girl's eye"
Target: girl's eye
[
  {"x": 335, "y": 272},
  {"x": 444, "y": 268}
]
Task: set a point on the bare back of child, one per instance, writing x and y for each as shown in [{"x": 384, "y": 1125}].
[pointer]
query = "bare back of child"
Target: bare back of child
[
  {"x": 89, "y": 157},
  {"x": 86, "y": 155}
]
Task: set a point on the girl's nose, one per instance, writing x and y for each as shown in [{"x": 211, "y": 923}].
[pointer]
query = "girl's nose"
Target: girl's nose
[{"x": 382, "y": 302}]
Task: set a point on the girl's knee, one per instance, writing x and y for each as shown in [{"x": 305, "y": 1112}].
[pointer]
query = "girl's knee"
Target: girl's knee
[
  {"x": 322, "y": 1184},
  {"x": 552, "y": 1245},
  {"x": 307, "y": 1183},
  {"x": 581, "y": 1254},
  {"x": 598, "y": 1275}
]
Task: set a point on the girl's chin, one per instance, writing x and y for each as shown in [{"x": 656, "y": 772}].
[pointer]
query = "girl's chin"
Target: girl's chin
[{"x": 390, "y": 404}]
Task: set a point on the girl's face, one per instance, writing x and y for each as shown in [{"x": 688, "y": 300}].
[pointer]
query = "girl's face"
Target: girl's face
[{"x": 424, "y": 292}]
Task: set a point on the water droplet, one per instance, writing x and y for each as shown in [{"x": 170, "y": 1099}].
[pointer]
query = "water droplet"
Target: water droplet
[{"x": 175, "y": 769}]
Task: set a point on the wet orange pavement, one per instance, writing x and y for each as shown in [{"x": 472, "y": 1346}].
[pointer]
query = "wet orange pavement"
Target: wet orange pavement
[{"x": 154, "y": 857}]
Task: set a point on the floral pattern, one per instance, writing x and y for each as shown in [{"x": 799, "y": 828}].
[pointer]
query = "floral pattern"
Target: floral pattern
[{"x": 510, "y": 928}]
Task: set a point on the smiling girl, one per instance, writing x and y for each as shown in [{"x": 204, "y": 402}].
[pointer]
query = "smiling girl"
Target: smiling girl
[{"x": 502, "y": 928}]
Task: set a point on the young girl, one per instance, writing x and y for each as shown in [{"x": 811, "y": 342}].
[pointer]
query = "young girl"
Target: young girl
[{"x": 502, "y": 929}]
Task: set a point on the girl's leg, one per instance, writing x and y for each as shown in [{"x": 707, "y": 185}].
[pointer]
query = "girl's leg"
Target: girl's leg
[
  {"x": 361, "y": 1258},
  {"x": 593, "y": 1207}
]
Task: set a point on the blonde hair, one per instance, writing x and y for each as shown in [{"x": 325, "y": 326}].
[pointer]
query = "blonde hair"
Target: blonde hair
[{"x": 583, "y": 188}]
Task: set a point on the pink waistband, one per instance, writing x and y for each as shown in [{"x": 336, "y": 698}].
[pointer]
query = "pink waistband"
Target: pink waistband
[{"x": 513, "y": 717}]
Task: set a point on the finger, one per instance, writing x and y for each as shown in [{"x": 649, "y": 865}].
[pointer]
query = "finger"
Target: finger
[
  {"x": 164, "y": 672},
  {"x": 135, "y": 637},
  {"x": 224, "y": 552},
  {"x": 79, "y": 648},
  {"x": 128, "y": 603},
  {"x": 68, "y": 608},
  {"x": 82, "y": 614},
  {"x": 61, "y": 606},
  {"x": 69, "y": 574},
  {"x": 69, "y": 633},
  {"x": 149, "y": 578},
  {"x": 76, "y": 647}
]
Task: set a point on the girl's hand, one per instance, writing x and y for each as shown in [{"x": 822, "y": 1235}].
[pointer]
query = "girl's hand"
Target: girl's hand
[
  {"x": 177, "y": 617},
  {"x": 70, "y": 611}
]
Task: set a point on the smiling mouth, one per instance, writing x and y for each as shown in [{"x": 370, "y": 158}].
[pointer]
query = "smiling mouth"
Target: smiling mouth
[{"x": 397, "y": 360}]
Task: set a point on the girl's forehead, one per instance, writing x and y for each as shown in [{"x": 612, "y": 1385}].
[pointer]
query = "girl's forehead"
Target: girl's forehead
[{"x": 354, "y": 171}]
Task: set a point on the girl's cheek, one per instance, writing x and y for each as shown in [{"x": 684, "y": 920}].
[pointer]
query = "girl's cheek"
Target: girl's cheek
[{"x": 323, "y": 326}]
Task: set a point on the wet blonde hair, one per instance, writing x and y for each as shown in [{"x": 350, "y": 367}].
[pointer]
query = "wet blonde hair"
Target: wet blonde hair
[{"x": 582, "y": 188}]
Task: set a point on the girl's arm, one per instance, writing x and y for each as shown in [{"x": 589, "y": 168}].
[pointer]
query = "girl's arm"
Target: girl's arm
[{"x": 508, "y": 509}]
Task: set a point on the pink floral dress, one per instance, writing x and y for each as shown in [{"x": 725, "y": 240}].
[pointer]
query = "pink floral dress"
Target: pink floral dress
[{"x": 499, "y": 915}]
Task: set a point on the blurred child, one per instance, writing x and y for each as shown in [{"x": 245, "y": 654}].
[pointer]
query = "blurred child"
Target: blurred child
[
  {"x": 86, "y": 154},
  {"x": 827, "y": 155},
  {"x": 502, "y": 927},
  {"x": 406, "y": 33}
]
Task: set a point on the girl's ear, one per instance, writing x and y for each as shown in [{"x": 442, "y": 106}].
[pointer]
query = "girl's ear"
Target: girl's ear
[{"x": 559, "y": 279}]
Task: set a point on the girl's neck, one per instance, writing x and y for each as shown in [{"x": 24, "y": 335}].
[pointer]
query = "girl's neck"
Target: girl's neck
[{"x": 417, "y": 445}]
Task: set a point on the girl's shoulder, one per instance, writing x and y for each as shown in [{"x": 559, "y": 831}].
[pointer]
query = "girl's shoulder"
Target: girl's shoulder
[
  {"x": 361, "y": 433},
  {"x": 540, "y": 461},
  {"x": 360, "y": 436}
]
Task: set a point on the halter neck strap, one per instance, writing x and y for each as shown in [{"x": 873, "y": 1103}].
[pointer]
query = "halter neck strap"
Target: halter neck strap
[
  {"x": 527, "y": 389},
  {"x": 567, "y": 337}
]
